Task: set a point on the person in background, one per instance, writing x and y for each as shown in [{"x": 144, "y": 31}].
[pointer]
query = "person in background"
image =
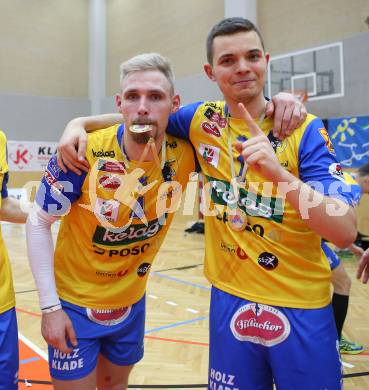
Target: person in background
[
  {"x": 10, "y": 211},
  {"x": 341, "y": 282}
]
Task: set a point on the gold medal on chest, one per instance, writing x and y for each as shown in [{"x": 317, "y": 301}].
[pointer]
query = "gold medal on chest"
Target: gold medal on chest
[{"x": 237, "y": 220}]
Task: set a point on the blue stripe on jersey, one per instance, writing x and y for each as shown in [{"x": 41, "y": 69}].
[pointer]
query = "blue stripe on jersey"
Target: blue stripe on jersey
[
  {"x": 4, "y": 188},
  {"x": 318, "y": 167},
  {"x": 180, "y": 122},
  {"x": 120, "y": 134},
  {"x": 58, "y": 189}
]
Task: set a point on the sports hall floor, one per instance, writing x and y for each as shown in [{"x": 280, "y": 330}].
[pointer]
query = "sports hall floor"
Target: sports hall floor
[{"x": 176, "y": 341}]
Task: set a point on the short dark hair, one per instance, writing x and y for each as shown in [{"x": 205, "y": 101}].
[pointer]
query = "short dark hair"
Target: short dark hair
[
  {"x": 229, "y": 26},
  {"x": 363, "y": 170}
]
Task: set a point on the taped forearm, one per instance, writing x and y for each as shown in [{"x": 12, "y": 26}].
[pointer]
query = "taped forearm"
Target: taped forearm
[{"x": 41, "y": 256}]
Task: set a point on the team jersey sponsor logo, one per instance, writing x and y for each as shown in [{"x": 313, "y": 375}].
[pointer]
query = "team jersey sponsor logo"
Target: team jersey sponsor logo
[
  {"x": 260, "y": 324},
  {"x": 233, "y": 249},
  {"x": 268, "y": 261},
  {"x": 107, "y": 209},
  {"x": 210, "y": 128},
  {"x": 336, "y": 171},
  {"x": 278, "y": 145},
  {"x": 109, "y": 182},
  {"x": 170, "y": 169},
  {"x": 108, "y": 317},
  {"x": 111, "y": 274},
  {"x": 328, "y": 143},
  {"x": 55, "y": 186},
  {"x": 172, "y": 145},
  {"x": 252, "y": 204},
  {"x": 210, "y": 154},
  {"x": 134, "y": 233},
  {"x": 54, "y": 167},
  {"x": 111, "y": 166},
  {"x": 215, "y": 117},
  {"x": 103, "y": 153},
  {"x": 136, "y": 250},
  {"x": 143, "y": 269},
  {"x": 170, "y": 192}
]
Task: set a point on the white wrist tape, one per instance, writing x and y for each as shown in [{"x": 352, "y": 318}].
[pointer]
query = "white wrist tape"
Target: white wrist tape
[{"x": 51, "y": 309}]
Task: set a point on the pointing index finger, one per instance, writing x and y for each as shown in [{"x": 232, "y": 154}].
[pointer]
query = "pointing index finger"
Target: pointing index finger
[{"x": 254, "y": 128}]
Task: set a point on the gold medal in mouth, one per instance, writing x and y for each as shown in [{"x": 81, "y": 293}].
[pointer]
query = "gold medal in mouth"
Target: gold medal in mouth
[{"x": 140, "y": 128}]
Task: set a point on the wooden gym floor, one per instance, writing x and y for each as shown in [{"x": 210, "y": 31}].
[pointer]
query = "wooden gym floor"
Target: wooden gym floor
[{"x": 176, "y": 341}]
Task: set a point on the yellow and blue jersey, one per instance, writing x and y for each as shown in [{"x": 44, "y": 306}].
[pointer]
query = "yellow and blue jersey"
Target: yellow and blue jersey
[
  {"x": 7, "y": 299},
  {"x": 277, "y": 259},
  {"x": 105, "y": 245}
]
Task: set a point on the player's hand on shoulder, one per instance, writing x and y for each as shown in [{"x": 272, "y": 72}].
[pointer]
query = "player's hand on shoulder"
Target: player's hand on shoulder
[
  {"x": 288, "y": 112},
  {"x": 72, "y": 148}
]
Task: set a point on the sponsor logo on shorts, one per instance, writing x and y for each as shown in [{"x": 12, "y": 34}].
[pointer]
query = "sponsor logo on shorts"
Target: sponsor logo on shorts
[
  {"x": 66, "y": 361},
  {"x": 260, "y": 324},
  {"x": 108, "y": 317},
  {"x": 219, "y": 380},
  {"x": 268, "y": 261},
  {"x": 143, "y": 269}
]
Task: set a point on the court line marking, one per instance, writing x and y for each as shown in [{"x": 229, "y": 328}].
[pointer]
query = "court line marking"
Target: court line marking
[
  {"x": 34, "y": 347},
  {"x": 171, "y": 303},
  {"x": 156, "y": 273},
  {"x": 31, "y": 313},
  {"x": 176, "y": 324},
  {"x": 25, "y": 361},
  {"x": 176, "y": 341},
  {"x": 348, "y": 365}
]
